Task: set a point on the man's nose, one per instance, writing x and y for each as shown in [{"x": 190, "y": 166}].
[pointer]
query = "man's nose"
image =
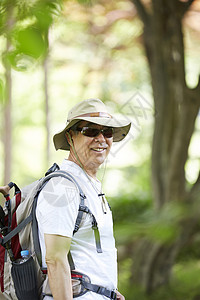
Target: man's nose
[{"x": 100, "y": 137}]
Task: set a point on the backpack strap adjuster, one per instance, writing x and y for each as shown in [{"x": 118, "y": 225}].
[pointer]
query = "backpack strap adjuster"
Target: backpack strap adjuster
[
  {"x": 84, "y": 208},
  {"x": 82, "y": 195}
]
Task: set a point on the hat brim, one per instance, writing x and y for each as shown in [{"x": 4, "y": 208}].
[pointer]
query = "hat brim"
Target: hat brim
[{"x": 121, "y": 129}]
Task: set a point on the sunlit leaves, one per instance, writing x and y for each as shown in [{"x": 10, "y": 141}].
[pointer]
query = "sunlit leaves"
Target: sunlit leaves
[
  {"x": 30, "y": 42},
  {"x": 26, "y": 25},
  {"x": 44, "y": 12},
  {"x": 28, "y": 46}
]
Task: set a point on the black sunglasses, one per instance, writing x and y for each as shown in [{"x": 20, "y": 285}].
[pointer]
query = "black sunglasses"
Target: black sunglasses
[{"x": 93, "y": 132}]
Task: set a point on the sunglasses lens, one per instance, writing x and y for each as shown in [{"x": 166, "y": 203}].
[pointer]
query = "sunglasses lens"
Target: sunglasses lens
[
  {"x": 92, "y": 132},
  {"x": 108, "y": 133}
]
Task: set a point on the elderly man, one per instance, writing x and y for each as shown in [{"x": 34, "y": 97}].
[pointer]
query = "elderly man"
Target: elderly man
[{"x": 88, "y": 135}]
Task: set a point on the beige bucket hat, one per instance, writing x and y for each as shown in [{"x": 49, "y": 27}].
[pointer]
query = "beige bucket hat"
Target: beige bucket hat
[{"x": 94, "y": 111}]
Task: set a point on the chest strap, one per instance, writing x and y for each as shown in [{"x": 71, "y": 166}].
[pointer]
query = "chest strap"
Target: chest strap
[
  {"x": 100, "y": 290},
  {"x": 87, "y": 286}
]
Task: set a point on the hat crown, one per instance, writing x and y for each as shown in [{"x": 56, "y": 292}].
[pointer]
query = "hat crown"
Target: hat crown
[{"x": 86, "y": 106}]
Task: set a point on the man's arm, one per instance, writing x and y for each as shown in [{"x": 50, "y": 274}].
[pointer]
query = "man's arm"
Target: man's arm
[{"x": 57, "y": 248}]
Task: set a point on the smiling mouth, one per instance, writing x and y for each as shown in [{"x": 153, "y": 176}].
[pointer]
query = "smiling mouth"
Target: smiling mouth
[{"x": 98, "y": 149}]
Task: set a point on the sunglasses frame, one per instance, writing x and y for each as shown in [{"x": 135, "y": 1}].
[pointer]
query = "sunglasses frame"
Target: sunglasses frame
[{"x": 81, "y": 130}]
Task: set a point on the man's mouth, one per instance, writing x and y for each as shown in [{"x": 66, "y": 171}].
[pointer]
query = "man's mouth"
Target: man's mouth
[{"x": 98, "y": 149}]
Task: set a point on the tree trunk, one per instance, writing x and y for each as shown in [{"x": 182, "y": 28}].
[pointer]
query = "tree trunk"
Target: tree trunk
[
  {"x": 7, "y": 122},
  {"x": 176, "y": 109},
  {"x": 46, "y": 96},
  {"x": 153, "y": 260},
  {"x": 47, "y": 118}
]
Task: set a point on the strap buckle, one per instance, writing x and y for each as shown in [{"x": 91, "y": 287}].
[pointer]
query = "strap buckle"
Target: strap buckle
[
  {"x": 108, "y": 293},
  {"x": 84, "y": 208},
  {"x": 94, "y": 224},
  {"x": 113, "y": 295}
]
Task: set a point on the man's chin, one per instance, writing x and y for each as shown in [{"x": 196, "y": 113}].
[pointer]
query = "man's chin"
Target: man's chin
[{"x": 98, "y": 161}]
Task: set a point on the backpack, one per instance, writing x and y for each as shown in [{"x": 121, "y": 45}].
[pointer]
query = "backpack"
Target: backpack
[{"x": 19, "y": 231}]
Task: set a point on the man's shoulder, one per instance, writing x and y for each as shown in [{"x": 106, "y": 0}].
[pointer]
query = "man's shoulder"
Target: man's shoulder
[
  {"x": 58, "y": 192},
  {"x": 59, "y": 186},
  {"x": 59, "y": 182}
]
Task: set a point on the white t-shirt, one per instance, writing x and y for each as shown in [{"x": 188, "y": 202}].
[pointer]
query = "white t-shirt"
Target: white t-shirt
[{"x": 56, "y": 213}]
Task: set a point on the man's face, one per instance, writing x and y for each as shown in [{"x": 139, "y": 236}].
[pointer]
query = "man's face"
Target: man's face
[{"x": 92, "y": 151}]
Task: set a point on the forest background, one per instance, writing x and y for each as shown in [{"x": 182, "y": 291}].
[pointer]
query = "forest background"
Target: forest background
[{"x": 142, "y": 59}]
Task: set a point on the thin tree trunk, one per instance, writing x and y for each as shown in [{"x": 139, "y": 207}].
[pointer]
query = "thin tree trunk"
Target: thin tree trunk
[
  {"x": 47, "y": 117},
  {"x": 7, "y": 122}
]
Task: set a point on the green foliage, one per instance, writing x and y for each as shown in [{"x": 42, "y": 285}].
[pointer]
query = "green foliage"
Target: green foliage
[
  {"x": 30, "y": 42},
  {"x": 129, "y": 209},
  {"x": 184, "y": 284},
  {"x": 25, "y": 24},
  {"x": 29, "y": 46},
  {"x": 87, "y": 2},
  {"x": 190, "y": 251},
  {"x": 139, "y": 219}
]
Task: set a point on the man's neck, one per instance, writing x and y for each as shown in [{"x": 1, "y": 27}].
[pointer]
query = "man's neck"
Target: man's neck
[{"x": 91, "y": 169}]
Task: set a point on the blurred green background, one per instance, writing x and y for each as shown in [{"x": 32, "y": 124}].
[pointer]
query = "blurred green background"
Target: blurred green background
[{"x": 57, "y": 53}]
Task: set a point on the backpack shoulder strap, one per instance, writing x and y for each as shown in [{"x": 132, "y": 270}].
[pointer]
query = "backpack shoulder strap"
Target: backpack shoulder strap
[
  {"x": 32, "y": 216},
  {"x": 82, "y": 209},
  {"x": 62, "y": 174}
]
